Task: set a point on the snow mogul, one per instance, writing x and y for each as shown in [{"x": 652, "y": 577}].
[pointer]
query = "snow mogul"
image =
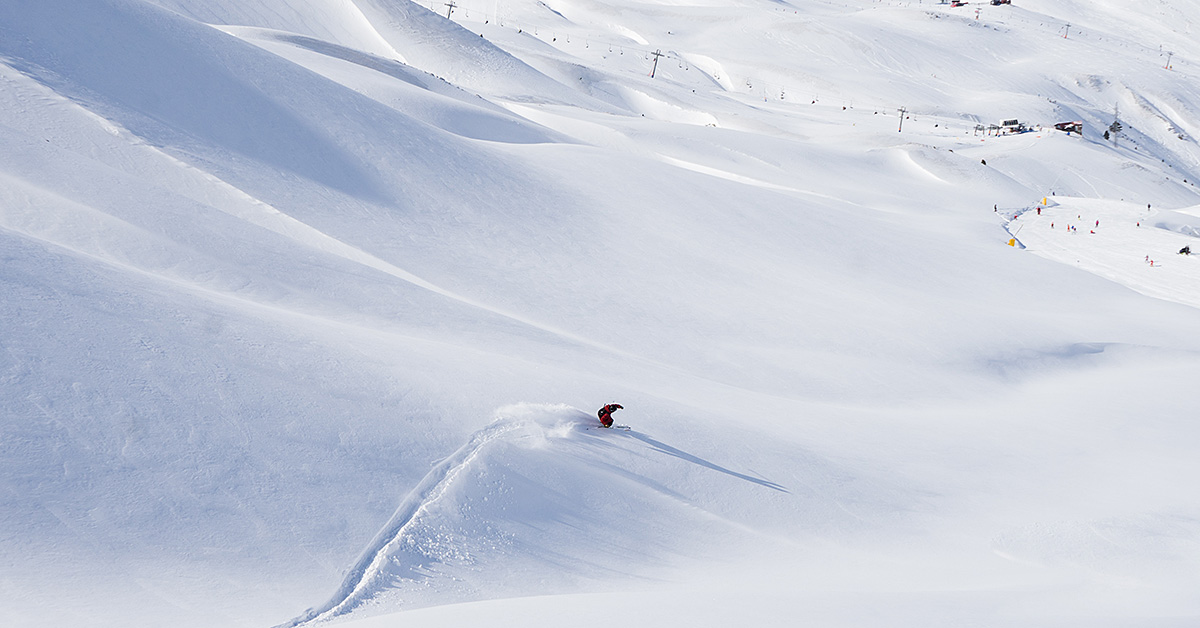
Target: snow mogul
[{"x": 605, "y": 413}]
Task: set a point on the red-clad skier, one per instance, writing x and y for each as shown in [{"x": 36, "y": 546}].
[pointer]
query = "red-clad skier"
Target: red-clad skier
[{"x": 605, "y": 413}]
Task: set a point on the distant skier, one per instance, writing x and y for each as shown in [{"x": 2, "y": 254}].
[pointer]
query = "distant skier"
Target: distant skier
[
  {"x": 605, "y": 413},
  {"x": 1187, "y": 250}
]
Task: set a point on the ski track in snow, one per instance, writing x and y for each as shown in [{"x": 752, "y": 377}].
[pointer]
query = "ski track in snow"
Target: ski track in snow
[{"x": 368, "y": 575}]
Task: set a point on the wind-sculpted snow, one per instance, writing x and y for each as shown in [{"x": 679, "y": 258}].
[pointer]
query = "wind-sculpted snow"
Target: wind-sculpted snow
[
  {"x": 403, "y": 30},
  {"x": 432, "y": 101},
  {"x": 446, "y": 49},
  {"x": 99, "y": 48},
  {"x": 267, "y": 267},
  {"x": 335, "y": 21}
]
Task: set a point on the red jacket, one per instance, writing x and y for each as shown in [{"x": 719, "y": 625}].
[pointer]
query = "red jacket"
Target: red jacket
[{"x": 605, "y": 414}]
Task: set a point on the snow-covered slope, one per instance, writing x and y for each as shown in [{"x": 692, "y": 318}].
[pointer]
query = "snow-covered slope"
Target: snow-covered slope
[{"x": 308, "y": 305}]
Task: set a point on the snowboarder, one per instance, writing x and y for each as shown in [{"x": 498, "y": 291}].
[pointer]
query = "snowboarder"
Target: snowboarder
[
  {"x": 605, "y": 413},
  {"x": 1187, "y": 250}
]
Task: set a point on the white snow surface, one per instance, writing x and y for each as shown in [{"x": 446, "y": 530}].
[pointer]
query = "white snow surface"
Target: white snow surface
[{"x": 308, "y": 305}]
